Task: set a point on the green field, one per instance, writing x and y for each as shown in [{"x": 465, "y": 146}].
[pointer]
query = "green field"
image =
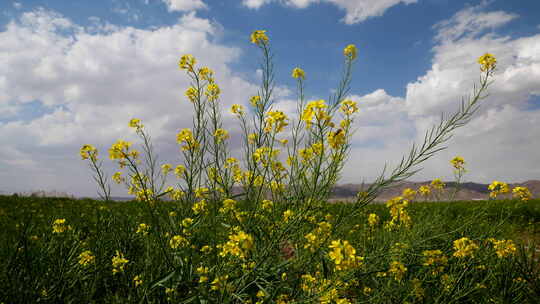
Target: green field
[{"x": 39, "y": 266}]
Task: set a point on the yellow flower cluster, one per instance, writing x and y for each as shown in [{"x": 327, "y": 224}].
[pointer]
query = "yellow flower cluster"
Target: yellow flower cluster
[
  {"x": 120, "y": 150},
  {"x": 336, "y": 139},
  {"x": 424, "y": 190},
  {"x": 143, "y": 229},
  {"x": 464, "y": 247},
  {"x": 373, "y": 220},
  {"x": 237, "y": 109},
  {"x": 118, "y": 262},
  {"x": 497, "y": 187},
  {"x": 228, "y": 206},
  {"x": 408, "y": 194},
  {"x": 89, "y": 151},
  {"x": 202, "y": 272},
  {"x": 487, "y": 62},
  {"x": 275, "y": 121},
  {"x": 318, "y": 236},
  {"x": 137, "y": 280},
  {"x": 458, "y": 163},
  {"x": 185, "y": 137},
  {"x": 192, "y": 94},
  {"x": 287, "y": 215},
  {"x": 86, "y": 258},
  {"x": 59, "y": 226},
  {"x": 503, "y": 248},
  {"x": 166, "y": 168},
  {"x": 178, "y": 241},
  {"x": 187, "y": 62},
  {"x": 259, "y": 37},
  {"x": 522, "y": 193},
  {"x": 298, "y": 73},
  {"x": 179, "y": 171},
  {"x": 315, "y": 108},
  {"x": 399, "y": 214},
  {"x": 117, "y": 178},
  {"x": 221, "y": 134},
  {"x": 344, "y": 255},
  {"x": 239, "y": 244},
  {"x": 348, "y": 107},
  {"x": 398, "y": 270},
  {"x": 265, "y": 156},
  {"x": 206, "y": 74},
  {"x": 435, "y": 259},
  {"x": 212, "y": 92},
  {"x": 350, "y": 52},
  {"x": 199, "y": 207},
  {"x": 255, "y": 101},
  {"x": 135, "y": 123},
  {"x": 219, "y": 283},
  {"x": 437, "y": 184}
]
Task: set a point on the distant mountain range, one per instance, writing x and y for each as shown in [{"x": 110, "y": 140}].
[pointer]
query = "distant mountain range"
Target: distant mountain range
[
  {"x": 347, "y": 192},
  {"x": 468, "y": 190}
]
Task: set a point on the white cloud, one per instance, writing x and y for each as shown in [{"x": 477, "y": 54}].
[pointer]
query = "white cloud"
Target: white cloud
[
  {"x": 356, "y": 11},
  {"x": 184, "y": 5},
  {"x": 17, "y": 5},
  {"x": 470, "y": 22},
  {"x": 91, "y": 83},
  {"x": 500, "y": 140}
]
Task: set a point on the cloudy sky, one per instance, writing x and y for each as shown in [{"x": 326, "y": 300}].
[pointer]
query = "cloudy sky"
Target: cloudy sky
[{"x": 75, "y": 72}]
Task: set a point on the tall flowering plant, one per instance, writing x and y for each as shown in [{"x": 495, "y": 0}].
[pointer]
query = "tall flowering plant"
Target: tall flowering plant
[{"x": 270, "y": 241}]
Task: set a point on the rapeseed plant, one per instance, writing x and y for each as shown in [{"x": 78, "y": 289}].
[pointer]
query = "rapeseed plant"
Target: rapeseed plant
[{"x": 272, "y": 242}]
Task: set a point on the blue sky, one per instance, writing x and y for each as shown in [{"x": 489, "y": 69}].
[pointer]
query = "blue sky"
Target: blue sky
[{"x": 66, "y": 59}]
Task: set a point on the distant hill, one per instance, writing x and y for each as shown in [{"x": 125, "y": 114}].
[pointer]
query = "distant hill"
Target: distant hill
[
  {"x": 346, "y": 192},
  {"x": 468, "y": 190}
]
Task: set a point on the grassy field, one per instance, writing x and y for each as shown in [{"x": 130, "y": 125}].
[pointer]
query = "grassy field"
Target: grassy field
[{"x": 40, "y": 266}]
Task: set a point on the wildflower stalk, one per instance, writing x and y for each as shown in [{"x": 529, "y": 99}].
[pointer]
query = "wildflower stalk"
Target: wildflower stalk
[{"x": 432, "y": 143}]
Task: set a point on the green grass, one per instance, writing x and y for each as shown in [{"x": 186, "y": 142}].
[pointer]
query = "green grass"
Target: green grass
[{"x": 46, "y": 269}]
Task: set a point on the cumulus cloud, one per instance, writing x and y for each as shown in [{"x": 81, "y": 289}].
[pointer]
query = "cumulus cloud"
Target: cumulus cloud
[
  {"x": 17, "y": 5},
  {"x": 91, "y": 82},
  {"x": 184, "y": 5},
  {"x": 356, "y": 11},
  {"x": 500, "y": 140}
]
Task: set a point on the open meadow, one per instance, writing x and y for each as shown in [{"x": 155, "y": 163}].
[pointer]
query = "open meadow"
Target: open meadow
[{"x": 44, "y": 262}]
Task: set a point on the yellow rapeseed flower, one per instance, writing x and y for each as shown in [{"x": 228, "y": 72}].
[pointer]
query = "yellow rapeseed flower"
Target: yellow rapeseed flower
[
  {"x": 88, "y": 151},
  {"x": 59, "y": 226},
  {"x": 497, "y": 187},
  {"x": 348, "y": 107},
  {"x": 86, "y": 258},
  {"x": 255, "y": 100},
  {"x": 117, "y": 178},
  {"x": 522, "y": 193},
  {"x": 178, "y": 241},
  {"x": 118, "y": 262},
  {"x": 487, "y": 62},
  {"x": 458, "y": 163},
  {"x": 373, "y": 219},
  {"x": 259, "y": 37},
  {"x": 298, "y": 73},
  {"x": 398, "y": 270},
  {"x": 212, "y": 92},
  {"x": 464, "y": 247},
  {"x": 221, "y": 134},
  {"x": 206, "y": 74},
  {"x": 137, "y": 280},
  {"x": 187, "y": 62},
  {"x": 135, "y": 123},
  {"x": 350, "y": 52},
  {"x": 237, "y": 109},
  {"x": 192, "y": 94}
]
